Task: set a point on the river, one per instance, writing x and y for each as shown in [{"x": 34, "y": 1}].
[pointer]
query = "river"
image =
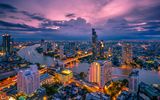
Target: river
[{"x": 30, "y": 54}]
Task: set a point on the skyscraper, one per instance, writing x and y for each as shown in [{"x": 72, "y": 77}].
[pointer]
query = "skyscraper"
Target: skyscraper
[
  {"x": 100, "y": 72},
  {"x": 6, "y": 43},
  {"x": 94, "y": 44},
  {"x": 28, "y": 80},
  {"x": 101, "y": 49},
  {"x": 126, "y": 54}
]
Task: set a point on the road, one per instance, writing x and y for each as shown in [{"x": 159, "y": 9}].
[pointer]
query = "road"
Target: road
[{"x": 13, "y": 80}]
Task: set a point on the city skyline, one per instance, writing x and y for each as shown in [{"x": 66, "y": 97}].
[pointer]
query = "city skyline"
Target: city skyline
[{"x": 112, "y": 19}]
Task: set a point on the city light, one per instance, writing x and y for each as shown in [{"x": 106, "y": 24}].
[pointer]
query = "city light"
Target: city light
[{"x": 80, "y": 50}]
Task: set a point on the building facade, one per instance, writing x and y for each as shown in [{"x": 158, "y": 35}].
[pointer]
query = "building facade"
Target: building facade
[
  {"x": 100, "y": 73},
  {"x": 6, "y": 43},
  {"x": 94, "y": 44},
  {"x": 28, "y": 81}
]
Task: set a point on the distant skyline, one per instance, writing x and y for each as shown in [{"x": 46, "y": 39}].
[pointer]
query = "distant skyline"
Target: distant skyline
[{"x": 74, "y": 19}]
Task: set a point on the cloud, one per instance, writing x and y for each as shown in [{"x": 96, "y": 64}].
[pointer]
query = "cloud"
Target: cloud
[
  {"x": 111, "y": 18},
  {"x": 7, "y": 6},
  {"x": 70, "y": 15}
]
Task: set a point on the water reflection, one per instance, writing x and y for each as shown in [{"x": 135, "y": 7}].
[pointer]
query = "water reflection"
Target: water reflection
[{"x": 30, "y": 54}]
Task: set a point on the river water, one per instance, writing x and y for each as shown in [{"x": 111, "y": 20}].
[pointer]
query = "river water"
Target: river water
[{"x": 30, "y": 54}]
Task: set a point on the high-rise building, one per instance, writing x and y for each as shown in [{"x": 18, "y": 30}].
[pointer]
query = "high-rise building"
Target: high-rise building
[
  {"x": 94, "y": 44},
  {"x": 108, "y": 70},
  {"x": 28, "y": 81},
  {"x": 101, "y": 49},
  {"x": 6, "y": 43},
  {"x": 100, "y": 72},
  {"x": 126, "y": 54},
  {"x": 133, "y": 81},
  {"x": 109, "y": 53}
]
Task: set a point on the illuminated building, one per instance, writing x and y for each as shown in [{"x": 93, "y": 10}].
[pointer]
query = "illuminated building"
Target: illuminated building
[
  {"x": 109, "y": 53},
  {"x": 101, "y": 49},
  {"x": 127, "y": 54},
  {"x": 6, "y": 43},
  {"x": 134, "y": 81},
  {"x": 107, "y": 71},
  {"x": 100, "y": 72},
  {"x": 28, "y": 81},
  {"x": 94, "y": 44},
  {"x": 64, "y": 76}
]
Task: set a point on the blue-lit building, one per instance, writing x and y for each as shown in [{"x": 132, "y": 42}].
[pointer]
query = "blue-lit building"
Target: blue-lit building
[{"x": 6, "y": 43}]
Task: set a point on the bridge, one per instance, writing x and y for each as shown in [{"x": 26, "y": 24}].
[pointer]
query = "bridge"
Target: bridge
[{"x": 69, "y": 60}]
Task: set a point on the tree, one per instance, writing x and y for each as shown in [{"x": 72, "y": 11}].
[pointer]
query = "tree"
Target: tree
[{"x": 82, "y": 75}]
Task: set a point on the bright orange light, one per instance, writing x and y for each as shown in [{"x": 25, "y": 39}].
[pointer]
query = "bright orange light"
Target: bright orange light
[{"x": 66, "y": 71}]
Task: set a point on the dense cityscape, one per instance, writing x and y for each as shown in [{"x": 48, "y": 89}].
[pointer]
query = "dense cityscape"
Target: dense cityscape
[{"x": 96, "y": 68}]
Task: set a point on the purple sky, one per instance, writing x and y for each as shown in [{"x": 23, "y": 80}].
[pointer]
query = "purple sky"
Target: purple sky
[{"x": 73, "y": 19}]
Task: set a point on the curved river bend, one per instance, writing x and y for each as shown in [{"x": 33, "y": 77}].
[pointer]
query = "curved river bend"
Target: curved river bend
[{"x": 30, "y": 54}]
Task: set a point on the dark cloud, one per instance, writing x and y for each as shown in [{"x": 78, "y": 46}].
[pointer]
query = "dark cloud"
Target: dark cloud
[
  {"x": 70, "y": 15},
  {"x": 36, "y": 16},
  {"x": 7, "y": 6},
  {"x": 122, "y": 21},
  {"x": 20, "y": 27}
]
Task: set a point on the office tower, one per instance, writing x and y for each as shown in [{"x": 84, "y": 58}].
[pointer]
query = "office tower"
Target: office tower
[
  {"x": 6, "y": 43},
  {"x": 94, "y": 44},
  {"x": 100, "y": 72},
  {"x": 133, "y": 81},
  {"x": 101, "y": 49},
  {"x": 28, "y": 81},
  {"x": 126, "y": 54}
]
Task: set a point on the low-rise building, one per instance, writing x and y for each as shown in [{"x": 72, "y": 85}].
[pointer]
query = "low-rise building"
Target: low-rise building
[{"x": 64, "y": 76}]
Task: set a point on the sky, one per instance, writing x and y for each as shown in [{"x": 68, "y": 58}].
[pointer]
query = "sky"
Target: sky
[{"x": 74, "y": 19}]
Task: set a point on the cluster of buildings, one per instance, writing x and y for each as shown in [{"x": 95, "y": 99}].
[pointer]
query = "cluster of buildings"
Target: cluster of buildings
[
  {"x": 48, "y": 46},
  {"x": 98, "y": 47},
  {"x": 29, "y": 81},
  {"x": 70, "y": 92}
]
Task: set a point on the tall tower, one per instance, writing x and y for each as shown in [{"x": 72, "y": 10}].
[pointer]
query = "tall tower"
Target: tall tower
[
  {"x": 126, "y": 54},
  {"x": 6, "y": 43},
  {"x": 101, "y": 48},
  {"x": 94, "y": 44}
]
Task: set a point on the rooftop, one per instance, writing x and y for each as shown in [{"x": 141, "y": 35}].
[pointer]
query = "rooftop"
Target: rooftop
[{"x": 66, "y": 71}]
